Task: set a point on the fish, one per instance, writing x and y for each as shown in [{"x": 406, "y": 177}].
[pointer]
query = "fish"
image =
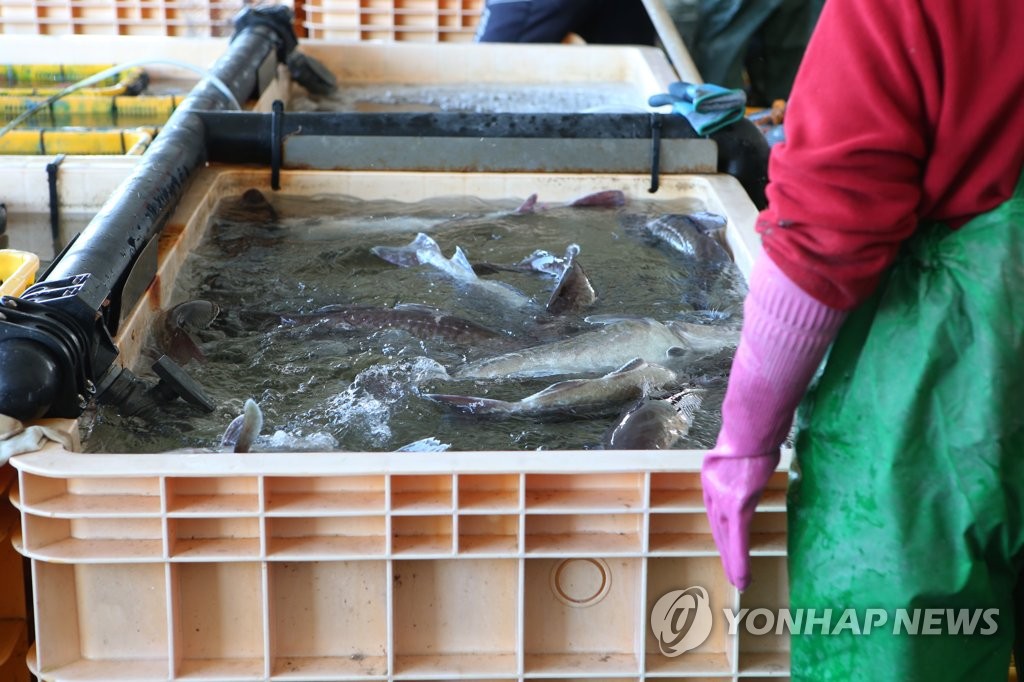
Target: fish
[
  {"x": 423, "y": 322},
  {"x": 615, "y": 343},
  {"x": 573, "y": 291},
  {"x": 173, "y": 329},
  {"x": 251, "y": 207},
  {"x": 423, "y": 250},
  {"x": 655, "y": 423},
  {"x": 609, "y": 198},
  {"x": 573, "y": 398},
  {"x": 245, "y": 222},
  {"x": 240, "y": 434},
  {"x": 689, "y": 234},
  {"x": 243, "y": 429},
  {"x": 429, "y": 444},
  {"x": 540, "y": 261}
]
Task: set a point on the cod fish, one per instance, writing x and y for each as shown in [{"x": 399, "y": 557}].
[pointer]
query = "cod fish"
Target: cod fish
[
  {"x": 174, "y": 327},
  {"x": 574, "y": 398},
  {"x": 540, "y": 261},
  {"x": 423, "y": 250},
  {"x": 609, "y": 198},
  {"x": 240, "y": 434},
  {"x": 242, "y": 223},
  {"x": 251, "y": 207},
  {"x": 573, "y": 291},
  {"x": 243, "y": 429},
  {"x": 691, "y": 235},
  {"x": 421, "y": 321},
  {"x": 603, "y": 349},
  {"x": 655, "y": 423}
]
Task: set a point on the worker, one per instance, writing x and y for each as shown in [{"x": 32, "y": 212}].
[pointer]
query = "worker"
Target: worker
[
  {"x": 612, "y": 22},
  {"x": 893, "y": 242},
  {"x": 751, "y": 44}
]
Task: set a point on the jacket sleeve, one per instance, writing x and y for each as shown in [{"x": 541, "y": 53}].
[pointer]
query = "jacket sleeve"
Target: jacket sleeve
[{"x": 845, "y": 186}]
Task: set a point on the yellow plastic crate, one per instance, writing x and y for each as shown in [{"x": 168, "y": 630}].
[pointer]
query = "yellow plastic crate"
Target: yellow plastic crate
[
  {"x": 70, "y": 141},
  {"x": 49, "y": 79},
  {"x": 151, "y": 106},
  {"x": 17, "y": 271}
]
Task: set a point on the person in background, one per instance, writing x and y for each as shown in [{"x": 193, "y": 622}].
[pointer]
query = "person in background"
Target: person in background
[
  {"x": 751, "y": 44},
  {"x": 893, "y": 241},
  {"x": 612, "y": 22}
]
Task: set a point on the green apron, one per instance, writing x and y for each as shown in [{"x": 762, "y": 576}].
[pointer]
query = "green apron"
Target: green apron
[{"x": 908, "y": 486}]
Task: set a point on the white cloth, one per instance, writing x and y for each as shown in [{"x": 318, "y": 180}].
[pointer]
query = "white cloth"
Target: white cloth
[{"x": 16, "y": 439}]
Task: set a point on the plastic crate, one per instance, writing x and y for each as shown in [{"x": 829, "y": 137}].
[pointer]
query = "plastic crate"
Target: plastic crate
[
  {"x": 194, "y": 18},
  {"x": 425, "y": 21},
  {"x": 383, "y": 566},
  {"x": 102, "y": 142},
  {"x": 17, "y": 273},
  {"x": 380, "y": 566},
  {"x": 611, "y": 74},
  {"x": 13, "y": 630}
]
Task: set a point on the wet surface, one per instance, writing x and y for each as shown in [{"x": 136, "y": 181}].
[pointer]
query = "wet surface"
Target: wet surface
[
  {"x": 481, "y": 98},
  {"x": 325, "y": 383}
]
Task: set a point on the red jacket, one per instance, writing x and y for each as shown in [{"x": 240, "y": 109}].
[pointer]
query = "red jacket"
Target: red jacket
[{"x": 903, "y": 110}]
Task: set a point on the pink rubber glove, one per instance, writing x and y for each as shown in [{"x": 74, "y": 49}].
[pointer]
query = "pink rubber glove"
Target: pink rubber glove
[{"x": 785, "y": 335}]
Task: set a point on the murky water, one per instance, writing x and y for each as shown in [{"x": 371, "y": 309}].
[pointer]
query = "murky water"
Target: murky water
[
  {"x": 33, "y": 232},
  {"x": 481, "y": 98},
  {"x": 322, "y": 388}
]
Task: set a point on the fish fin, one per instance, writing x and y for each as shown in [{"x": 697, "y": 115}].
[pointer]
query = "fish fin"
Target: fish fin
[
  {"x": 429, "y": 444},
  {"x": 573, "y": 291},
  {"x": 609, "y": 198},
  {"x": 243, "y": 429},
  {"x": 460, "y": 263},
  {"x": 612, "y": 318},
  {"x": 467, "y": 404},
  {"x": 420, "y": 307},
  {"x": 528, "y": 206},
  {"x": 676, "y": 352},
  {"x": 420, "y": 250},
  {"x": 182, "y": 347},
  {"x": 687, "y": 402},
  {"x": 704, "y": 337},
  {"x": 543, "y": 262},
  {"x": 635, "y": 363},
  {"x": 708, "y": 222}
]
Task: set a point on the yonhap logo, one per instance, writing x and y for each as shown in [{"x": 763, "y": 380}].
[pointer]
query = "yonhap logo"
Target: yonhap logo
[{"x": 681, "y": 620}]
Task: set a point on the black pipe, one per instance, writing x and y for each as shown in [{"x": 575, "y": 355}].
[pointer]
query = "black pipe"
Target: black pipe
[{"x": 85, "y": 285}]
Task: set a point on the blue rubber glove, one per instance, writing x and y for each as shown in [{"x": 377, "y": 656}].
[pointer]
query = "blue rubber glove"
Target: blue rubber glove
[{"x": 706, "y": 106}]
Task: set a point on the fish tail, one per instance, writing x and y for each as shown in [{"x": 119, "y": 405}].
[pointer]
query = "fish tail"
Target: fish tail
[
  {"x": 528, "y": 206},
  {"x": 244, "y": 429},
  {"x": 687, "y": 402}
]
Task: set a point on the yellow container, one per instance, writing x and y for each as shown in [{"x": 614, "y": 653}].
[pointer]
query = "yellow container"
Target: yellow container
[
  {"x": 152, "y": 106},
  {"x": 92, "y": 142},
  {"x": 17, "y": 271},
  {"x": 49, "y": 79}
]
